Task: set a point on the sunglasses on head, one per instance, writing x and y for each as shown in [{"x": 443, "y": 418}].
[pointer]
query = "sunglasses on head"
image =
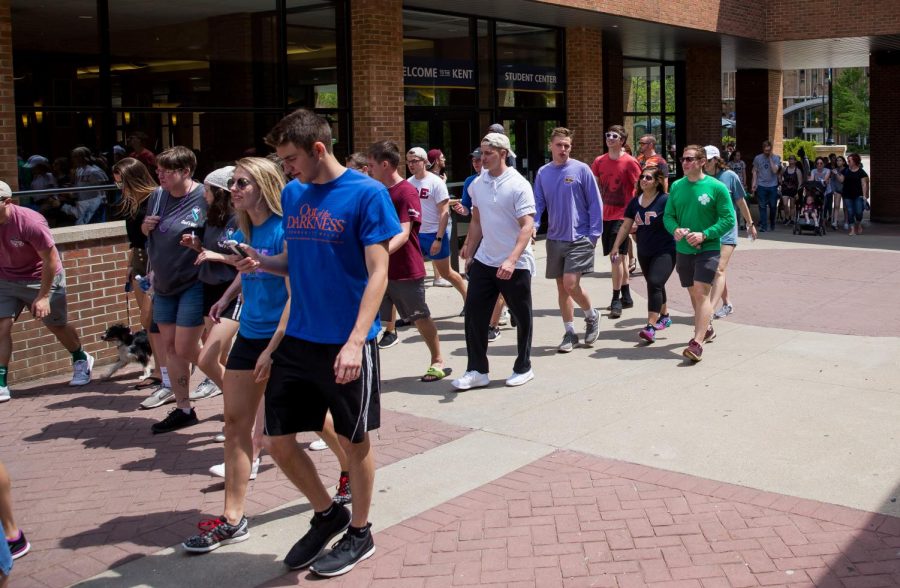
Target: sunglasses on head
[
  {"x": 648, "y": 177},
  {"x": 613, "y": 136},
  {"x": 241, "y": 183},
  {"x": 4, "y": 199}
]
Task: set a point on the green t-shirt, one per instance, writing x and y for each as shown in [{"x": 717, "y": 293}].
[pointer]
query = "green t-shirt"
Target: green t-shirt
[{"x": 701, "y": 206}]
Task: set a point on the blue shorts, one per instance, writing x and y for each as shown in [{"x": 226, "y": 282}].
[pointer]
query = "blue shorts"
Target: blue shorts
[
  {"x": 731, "y": 237},
  {"x": 425, "y": 242},
  {"x": 184, "y": 309},
  {"x": 6, "y": 560}
]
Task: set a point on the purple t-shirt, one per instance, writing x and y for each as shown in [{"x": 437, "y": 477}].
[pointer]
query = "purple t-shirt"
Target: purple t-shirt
[
  {"x": 24, "y": 233},
  {"x": 407, "y": 263},
  {"x": 570, "y": 195}
]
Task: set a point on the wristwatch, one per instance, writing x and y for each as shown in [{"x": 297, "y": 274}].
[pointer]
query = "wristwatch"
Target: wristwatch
[{"x": 438, "y": 239}]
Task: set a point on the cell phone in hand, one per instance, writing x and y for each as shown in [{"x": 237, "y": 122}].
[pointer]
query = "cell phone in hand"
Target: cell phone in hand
[{"x": 235, "y": 248}]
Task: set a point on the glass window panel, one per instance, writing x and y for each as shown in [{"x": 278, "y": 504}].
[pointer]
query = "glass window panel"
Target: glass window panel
[
  {"x": 670, "y": 88},
  {"x": 55, "y": 53},
  {"x": 312, "y": 55},
  {"x": 528, "y": 66},
  {"x": 654, "y": 97},
  {"x": 438, "y": 66},
  {"x": 635, "y": 89},
  {"x": 171, "y": 53}
]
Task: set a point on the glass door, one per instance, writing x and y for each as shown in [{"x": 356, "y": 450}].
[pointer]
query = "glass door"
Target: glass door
[
  {"x": 529, "y": 137},
  {"x": 452, "y": 133},
  {"x": 650, "y": 106}
]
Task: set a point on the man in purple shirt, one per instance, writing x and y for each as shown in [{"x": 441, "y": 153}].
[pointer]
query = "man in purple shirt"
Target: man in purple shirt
[{"x": 567, "y": 189}]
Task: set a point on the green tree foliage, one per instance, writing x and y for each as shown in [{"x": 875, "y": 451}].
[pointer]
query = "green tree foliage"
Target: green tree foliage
[
  {"x": 851, "y": 103},
  {"x": 792, "y": 147}
]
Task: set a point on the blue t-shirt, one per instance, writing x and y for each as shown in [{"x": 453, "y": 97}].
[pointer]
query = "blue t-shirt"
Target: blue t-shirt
[
  {"x": 327, "y": 228},
  {"x": 652, "y": 236},
  {"x": 466, "y": 199},
  {"x": 264, "y": 294}
]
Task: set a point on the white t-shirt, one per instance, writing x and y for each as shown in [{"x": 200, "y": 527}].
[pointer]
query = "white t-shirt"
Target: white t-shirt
[
  {"x": 432, "y": 191},
  {"x": 501, "y": 201}
]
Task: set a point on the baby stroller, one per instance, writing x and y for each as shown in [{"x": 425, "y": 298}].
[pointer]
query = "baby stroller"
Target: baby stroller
[{"x": 817, "y": 225}]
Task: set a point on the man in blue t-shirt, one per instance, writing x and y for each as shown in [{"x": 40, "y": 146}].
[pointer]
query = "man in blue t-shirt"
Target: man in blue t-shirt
[{"x": 337, "y": 225}]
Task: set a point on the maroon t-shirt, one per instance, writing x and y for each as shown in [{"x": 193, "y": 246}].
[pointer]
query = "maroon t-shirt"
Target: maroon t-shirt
[
  {"x": 24, "y": 234},
  {"x": 406, "y": 263}
]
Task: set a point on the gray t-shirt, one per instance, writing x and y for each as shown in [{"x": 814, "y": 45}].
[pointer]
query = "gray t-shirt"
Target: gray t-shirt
[
  {"x": 172, "y": 264},
  {"x": 213, "y": 272},
  {"x": 766, "y": 175}
]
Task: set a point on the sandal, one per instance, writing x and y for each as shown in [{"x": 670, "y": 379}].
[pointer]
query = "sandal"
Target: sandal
[
  {"x": 150, "y": 382},
  {"x": 632, "y": 266},
  {"x": 433, "y": 374}
]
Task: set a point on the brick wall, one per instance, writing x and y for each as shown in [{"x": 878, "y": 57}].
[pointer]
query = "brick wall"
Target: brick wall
[
  {"x": 884, "y": 80},
  {"x": 9, "y": 171},
  {"x": 790, "y": 20},
  {"x": 376, "y": 32},
  {"x": 758, "y": 108},
  {"x": 95, "y": 277},
  {"x": 584, "y": 98},
  {"x": 703, "y": 75}
]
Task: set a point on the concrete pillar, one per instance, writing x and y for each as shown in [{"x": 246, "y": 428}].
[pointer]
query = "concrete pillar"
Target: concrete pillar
[
  {"x": 376, "y": 31},
  {"x": 703, "y": 81},
  {"x": 9, "y": 169},
  {"x": 584, "y": 92},
  {"x": 884, "y": 128},
  {"x": 759, "y": 111}
]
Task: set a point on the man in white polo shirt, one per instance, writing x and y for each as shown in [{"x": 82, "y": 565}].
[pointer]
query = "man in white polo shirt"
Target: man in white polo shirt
[
  {"x": 499, "y": 245},
  {"x": 434, "y": 236}
]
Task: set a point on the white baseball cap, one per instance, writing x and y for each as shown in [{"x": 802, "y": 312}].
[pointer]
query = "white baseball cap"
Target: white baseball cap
[
  {"x": 712, "y": 151},
  {"x": 419, "y": 153}
]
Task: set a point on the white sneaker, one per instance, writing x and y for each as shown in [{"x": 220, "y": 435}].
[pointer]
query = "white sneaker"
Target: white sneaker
[
  {"x": 160, "y": 396},
  {"x": 519, "y": 379},
  {"x": 318, "y": 445},
  {"x": 504, "y": 318},
  {"x": 441, "y": 283},
  {"x": 81, "y": 371},
  {"x": 471, "y": 380},
  {"x": 220, "y": 438},
  {"x": 4, "y": 394},
  {"x": 724, "y": 311},
  {"x": 205, "y": 389},
  {"x": 219, "y": 469}
]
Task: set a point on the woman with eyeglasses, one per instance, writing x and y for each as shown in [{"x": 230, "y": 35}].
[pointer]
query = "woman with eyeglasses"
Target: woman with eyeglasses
[
  {"x": 177, "y": 209},
  {"x": 656, "y": 247},
  {"x": 255, "y": 186},
  {"x": 221, "y": 225}
]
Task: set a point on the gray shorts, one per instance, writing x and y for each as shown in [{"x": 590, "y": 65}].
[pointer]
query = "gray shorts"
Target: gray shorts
[
  {"x": 697, "y": 267},
  {"x": 17, "y": 295},
  {"x": 409, "y": 298},
  {"x": 569, "y": 257}
]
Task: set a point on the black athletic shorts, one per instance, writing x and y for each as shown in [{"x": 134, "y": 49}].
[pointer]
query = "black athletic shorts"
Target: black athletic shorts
[
  {"x": 610, "y": 232},
  {"x": 302, "y": 389},
  {"x": 697, "y": 267},
  {"x": 244, "y": 353},
  {"x": 212, "y": 293}
]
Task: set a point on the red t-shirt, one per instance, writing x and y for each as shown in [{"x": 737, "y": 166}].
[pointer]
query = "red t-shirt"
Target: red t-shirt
[
  {"x": 617, "y": 179},
  {"x": 407, "y": 263},
  {"x": 24, "y": 233}
]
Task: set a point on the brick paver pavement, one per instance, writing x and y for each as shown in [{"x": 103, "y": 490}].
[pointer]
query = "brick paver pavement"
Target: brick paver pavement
[
  {"x": 93, "y": 488},
  {"x": 574, "y": 520}
]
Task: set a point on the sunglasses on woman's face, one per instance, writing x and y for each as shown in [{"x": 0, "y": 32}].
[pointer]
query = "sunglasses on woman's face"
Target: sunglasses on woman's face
[
  {"x": 647, "y": 178},
  {"x": 241, "y": 183},
  {"x": 613, "y": 136}
]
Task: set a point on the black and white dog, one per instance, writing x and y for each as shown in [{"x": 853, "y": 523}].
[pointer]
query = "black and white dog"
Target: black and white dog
[{"x": 132, "y": 348}]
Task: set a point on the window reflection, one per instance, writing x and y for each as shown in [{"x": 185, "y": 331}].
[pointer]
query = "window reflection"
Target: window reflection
[{"x": 438, "y": 68}]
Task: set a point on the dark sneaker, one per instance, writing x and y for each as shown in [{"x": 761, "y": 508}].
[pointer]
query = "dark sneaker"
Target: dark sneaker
[
  {"x": 569, "y": 342},
  {"x": 615, "y": 309},
  {"x": 627, "y": 302},
  {"x": 694, "y": 351},
  {"x": 18, "y": 546},
  {"x": 710, "y": 334},
  {"x": 663, "y": 322},
  {"x": 493, "y": 334},
  {"x": 343, "y": 496},
  {"x": 388, "y": 339},
  {"x": 648, "y": 334},
  {"x": 400, "y": 323},
  {"x": 176, "y": 419},
  {"x": 345, "y": 554},
  {"x": 217, "y": 533},
  {"x": 321, "y": 532},
  {"x": 592, "y": 328}
]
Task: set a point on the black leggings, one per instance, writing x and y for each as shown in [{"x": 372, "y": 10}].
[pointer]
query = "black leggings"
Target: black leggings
[{"x": 656, "y": 269}]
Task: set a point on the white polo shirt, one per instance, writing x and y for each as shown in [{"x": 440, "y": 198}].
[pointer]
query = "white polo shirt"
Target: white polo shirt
[{"x": 501, "y": 201}]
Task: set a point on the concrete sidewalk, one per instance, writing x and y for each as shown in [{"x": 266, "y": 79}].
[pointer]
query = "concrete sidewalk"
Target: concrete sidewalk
[{"x": 771, "y": 462}]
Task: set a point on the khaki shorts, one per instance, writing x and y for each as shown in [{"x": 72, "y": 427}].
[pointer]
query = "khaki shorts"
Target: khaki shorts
[{"x": 17, "y": 295}]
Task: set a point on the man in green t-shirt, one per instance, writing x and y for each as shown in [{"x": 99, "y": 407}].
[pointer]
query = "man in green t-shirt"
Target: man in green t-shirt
[{"x": 698, "y": 213}]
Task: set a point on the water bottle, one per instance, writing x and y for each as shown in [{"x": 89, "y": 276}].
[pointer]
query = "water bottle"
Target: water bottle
[{"x": 143, "y": 282}]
